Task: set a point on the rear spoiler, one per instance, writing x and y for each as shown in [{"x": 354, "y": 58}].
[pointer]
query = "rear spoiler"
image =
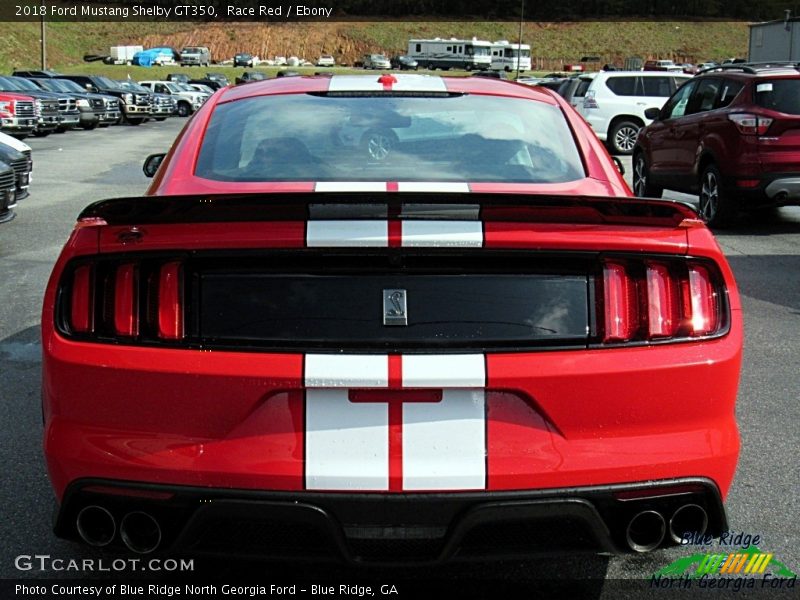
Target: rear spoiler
[{"x": 295, "y": 206}]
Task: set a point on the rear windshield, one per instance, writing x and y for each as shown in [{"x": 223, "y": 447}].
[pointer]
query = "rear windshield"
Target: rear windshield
[
  {"x": 782, "y": 95},
  {"x": 304, "y": 137}
]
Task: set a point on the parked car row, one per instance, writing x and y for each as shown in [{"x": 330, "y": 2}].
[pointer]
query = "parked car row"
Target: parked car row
[
  {"x": 16, "y": 164},
  {"x": 729, "y": 134},
  {"x": 39, "y": 103},
  {"x": 42, "y": 102}
]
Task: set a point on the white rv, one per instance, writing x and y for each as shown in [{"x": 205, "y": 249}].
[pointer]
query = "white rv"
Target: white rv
[
  {"x": 507, "y": 56},
  {"x": 437, "y": 53}
]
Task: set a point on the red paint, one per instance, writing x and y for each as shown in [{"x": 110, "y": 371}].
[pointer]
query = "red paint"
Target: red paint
[{"x": 227, "y": 419}]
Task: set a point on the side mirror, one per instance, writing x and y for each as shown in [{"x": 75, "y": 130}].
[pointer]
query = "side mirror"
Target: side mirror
[
  {"x": 652, "y": 113},
  {"x": 151, "y": 164},
  {"x": 619, "y": 164}
]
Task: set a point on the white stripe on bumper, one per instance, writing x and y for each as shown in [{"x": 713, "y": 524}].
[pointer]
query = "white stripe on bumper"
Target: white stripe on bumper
[
  {"x": 444, "y": 371},
  {"x": 346, "y": 370},
  {"x": 444, "y": 443},
  {"x": 347, "y": 445}
]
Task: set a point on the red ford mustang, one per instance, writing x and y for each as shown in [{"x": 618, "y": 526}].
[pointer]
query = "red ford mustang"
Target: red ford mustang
[{"x": 388, "y": 319}]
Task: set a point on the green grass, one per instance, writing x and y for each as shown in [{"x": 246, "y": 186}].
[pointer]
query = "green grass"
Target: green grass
[{"x": 552, "y": 43}]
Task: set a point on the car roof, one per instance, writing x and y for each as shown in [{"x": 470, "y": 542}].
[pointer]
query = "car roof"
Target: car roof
[
  {"x": 373, "y": 83},
  {"x": 751, "y": 70},
  {"x": 642, "y": 74}
]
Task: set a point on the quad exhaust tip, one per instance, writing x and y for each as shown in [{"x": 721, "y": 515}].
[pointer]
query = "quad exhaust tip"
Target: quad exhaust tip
[
  {"x": 96, "y": 525},
  {"x": 140, "y": 532},
  {"x": 645, "y": 531},
  {"x": 689, "y": 518}
]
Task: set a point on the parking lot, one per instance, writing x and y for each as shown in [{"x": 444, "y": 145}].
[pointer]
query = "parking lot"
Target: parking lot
[{"x": 77, "y": 168}]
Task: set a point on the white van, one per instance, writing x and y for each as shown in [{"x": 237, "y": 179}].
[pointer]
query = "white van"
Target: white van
[
  {"x": 470, "y": 55},
  {"x": 615, "y": 102},
  {"x": 508, "y": 57}
]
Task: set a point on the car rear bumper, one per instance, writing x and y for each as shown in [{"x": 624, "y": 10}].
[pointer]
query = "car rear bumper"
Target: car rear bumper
[
  {"x": 784, "y": 189},
  {"x": 381, "y": 528},
  {"x": 552, "y": 419},
  {"x": 770, "y": 189}
]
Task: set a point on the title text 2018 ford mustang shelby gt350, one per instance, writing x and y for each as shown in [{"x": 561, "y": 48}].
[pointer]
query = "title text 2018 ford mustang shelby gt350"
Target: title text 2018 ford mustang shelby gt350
[{"x": 387, "y": 319}]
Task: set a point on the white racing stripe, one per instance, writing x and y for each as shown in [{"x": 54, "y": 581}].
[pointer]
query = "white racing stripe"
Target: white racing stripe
[
  {"x": 433, "y": 186},
  {"x": 346, "y": 371},
  {"x": 347, "y": 233},
  {"x": 444, "y": 371},
  {"x": 350, "y": 186},
  {"x": 347, "y": 443},
  {"x": 444, "y": 443},
  {"x": 370, "y": 83},
  {"x": 442, "y": 234}
]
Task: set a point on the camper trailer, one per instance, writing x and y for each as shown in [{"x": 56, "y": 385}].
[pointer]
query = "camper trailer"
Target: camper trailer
[
  {"x": 451, "y": 54},
  {"x": 509, "y": 57}
]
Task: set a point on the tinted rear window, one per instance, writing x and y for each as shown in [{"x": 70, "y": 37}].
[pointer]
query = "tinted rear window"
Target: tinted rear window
[
  {"x": 622, "y": 86},
  {"x": 660, "y": 87},
  {"x": 304, "y": 137},
  {"x": 782, "y": 95}
]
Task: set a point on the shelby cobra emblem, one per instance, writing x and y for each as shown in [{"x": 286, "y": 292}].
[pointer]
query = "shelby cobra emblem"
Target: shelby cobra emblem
[{"x": 394, "y": 307}]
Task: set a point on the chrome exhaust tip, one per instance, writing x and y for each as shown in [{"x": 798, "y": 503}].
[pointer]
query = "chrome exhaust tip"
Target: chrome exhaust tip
[
  {"x": 689, "y": 518},
  {"x": 96, "y": 525},
  {"x": 140, "y": 532},
  {"x": 645, "y": 531}
]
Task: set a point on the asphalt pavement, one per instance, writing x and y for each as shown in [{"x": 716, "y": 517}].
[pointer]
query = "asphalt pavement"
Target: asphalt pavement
[{"x": 76, "y": 168}]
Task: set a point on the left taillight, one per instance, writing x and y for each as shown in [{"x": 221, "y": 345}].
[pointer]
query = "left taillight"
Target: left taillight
[
  {"x": 123, "y": 300},
  {"x": 81, "y": 306}
]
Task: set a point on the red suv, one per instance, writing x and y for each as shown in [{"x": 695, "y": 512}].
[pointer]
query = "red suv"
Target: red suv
[{"x": 731, "y": 135}]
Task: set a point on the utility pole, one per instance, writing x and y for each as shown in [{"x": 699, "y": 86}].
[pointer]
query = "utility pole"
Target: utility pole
[
  {"x": 519, "y": 42},
  {"x": 44, "y": 44}
]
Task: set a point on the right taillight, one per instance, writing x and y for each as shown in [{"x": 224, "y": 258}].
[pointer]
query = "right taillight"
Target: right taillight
[
  {"x": 750, "y": 124},
  {"x": 703, "y": 308},
  {"x": 659, "y": 300},
  {"x": 140, "y": 300}
]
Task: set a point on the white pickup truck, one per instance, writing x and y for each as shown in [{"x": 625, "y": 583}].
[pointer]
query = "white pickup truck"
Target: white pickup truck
[{"x": 188, "y": 101}]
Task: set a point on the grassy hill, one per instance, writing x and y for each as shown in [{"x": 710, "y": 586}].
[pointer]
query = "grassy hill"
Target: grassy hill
[{"x": 552, "y": 43}]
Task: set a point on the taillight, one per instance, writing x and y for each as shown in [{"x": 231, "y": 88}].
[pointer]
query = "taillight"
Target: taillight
[
  {"x": 140, "y": 300},
  {"x": 663, "y": 309},
  {"x": 703, "y": 303},
  {"x": 126, "y": 300},
  {"x": 750, "y": 124},
  {"x": 621, "y": 304},
  {"x": 658, "y": 300},
  {"x": 170, "y": 302},
  {"x": 589, "y": 100},
  {"x": 81, "y": 310}
]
